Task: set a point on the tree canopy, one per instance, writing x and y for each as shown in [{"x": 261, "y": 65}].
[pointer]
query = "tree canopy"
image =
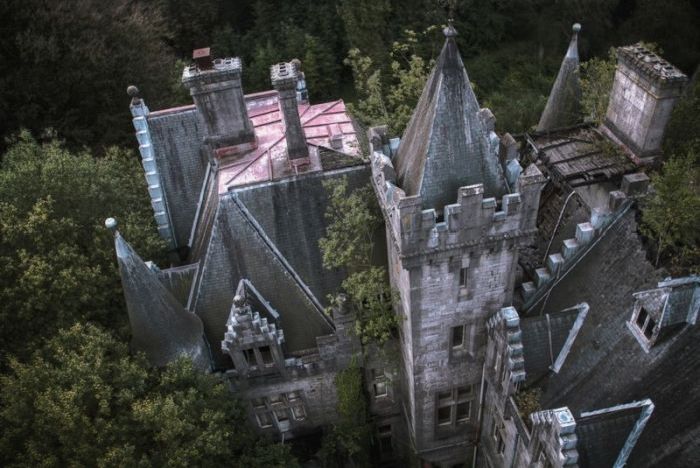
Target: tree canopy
[
  {"x": 82, "y": 400},
  {"x": 58, "y": 260}
]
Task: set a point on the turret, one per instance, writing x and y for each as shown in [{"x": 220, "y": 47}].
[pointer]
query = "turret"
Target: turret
[
  {"x": 563, "y": 107},
  {"x": 160, "y": 326}
]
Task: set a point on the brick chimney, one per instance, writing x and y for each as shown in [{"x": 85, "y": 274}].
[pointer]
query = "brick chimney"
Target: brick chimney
[
  {"x": 644, "y": 92},
  {"x": 215, "y": 86},
  {"x": 284, "y": 79}
]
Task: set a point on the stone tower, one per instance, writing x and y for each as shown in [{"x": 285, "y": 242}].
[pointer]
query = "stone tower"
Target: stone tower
[{"x": 454, "y": 225}]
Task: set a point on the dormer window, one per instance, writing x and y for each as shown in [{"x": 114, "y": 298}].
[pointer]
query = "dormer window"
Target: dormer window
[{"x": 645, "y": 323}]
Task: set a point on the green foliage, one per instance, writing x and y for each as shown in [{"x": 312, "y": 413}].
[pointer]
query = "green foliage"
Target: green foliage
[
  {"x": 372, "y": 301},
  {"x": 352, "y": 222},
  {"x": 683, "y": 130},
  {"x": 365, "y": 24},
  {"x": 350, "y": 436},
  {"x": 671, "y": 215},
  {"x": 390, "y": 100},
  {"x": 58, "y": 259},
  {"x": 597, "y": 75},
  {"x": 83, "y": 401},
  {"x": 528, "y": 401},
  {"x": 68, "y": 66}
]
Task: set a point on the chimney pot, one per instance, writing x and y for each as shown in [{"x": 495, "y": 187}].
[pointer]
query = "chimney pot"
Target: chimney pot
[{"x": 202, "y": 57}]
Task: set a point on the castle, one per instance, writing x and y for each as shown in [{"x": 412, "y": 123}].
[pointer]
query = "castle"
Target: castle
[{"x": 533, "y": 331}]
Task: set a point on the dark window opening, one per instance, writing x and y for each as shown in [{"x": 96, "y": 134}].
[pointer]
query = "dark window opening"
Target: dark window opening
[
  {"x": 385, "y": 445},
  {"x": 463, "y": 411},
  {"x": 458, "y": 336},
  {"x": 249, "y": 356},
  {"x": 642, "y": 317},
  {"x": 266, "y": 354},
  {"x": 649, "y": 330},
  {"x": 444, "y": 415},
  {"x": 463, "y": 277}
]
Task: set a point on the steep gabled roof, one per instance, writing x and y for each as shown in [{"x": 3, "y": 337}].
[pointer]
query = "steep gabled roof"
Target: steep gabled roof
[
  {"x": 160, "y": 326},
  {"x": 239, "y": 248},
  {"x": 445, "y": 145},
  {"x": 563, "y": 107}
]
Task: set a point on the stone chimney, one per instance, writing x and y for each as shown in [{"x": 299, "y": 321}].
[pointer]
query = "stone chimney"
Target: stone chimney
[
  {"x": 215, "y": 86},
  {"x": 284, "y": 79},
  {"x": 644, "y": 92}
]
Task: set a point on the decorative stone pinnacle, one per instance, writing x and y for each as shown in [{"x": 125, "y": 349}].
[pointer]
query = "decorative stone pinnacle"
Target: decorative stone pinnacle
[
  {"x": 576, "y": 28},
  {"x": 450, "y": 30},
  {"x": 133, "y": 92},
  {"x": 111, "y": 224},
  {"x": 238, "y": 300}
]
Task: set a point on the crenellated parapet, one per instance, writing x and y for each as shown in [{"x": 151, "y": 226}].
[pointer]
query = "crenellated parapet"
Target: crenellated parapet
[
  {"x": 473, "y": 219},
  {"x": 553, "y": 441},
  {"x": 506, "y": 351}
]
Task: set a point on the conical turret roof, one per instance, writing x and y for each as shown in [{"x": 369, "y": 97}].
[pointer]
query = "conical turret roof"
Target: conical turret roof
[
  {"x": 563, "y": 107},
  {"x": 160, "y": 326},
  {"x": 446, "y": 143}
]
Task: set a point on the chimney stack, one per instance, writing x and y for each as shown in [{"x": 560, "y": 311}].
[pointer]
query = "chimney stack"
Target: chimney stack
[
  {"x": 284, "y": 79},
  {"x": 644, "y": 92},
  {"x": 215, "y": 86}
]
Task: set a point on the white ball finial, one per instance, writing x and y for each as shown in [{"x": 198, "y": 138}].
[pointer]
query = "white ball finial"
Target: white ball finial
[
  {"x": 576, "y": 28},
  {"x": 111, "y": 224}
]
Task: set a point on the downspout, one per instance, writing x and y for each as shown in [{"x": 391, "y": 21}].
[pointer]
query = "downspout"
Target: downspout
[{"x": 481, "y": 414}]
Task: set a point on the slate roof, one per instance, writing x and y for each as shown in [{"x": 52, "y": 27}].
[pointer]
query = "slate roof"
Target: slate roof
[
  {"x": 292, "y": 214},
  {"x": 563, "y": 108},
  {"x": 177, "y": 136},
  {"x": 607, "y": 365},
  {"x": 548, "y": 339},
  {"x": 445, "y": 145},
  {"x": 160, "y": 326},
  {"x": 239, "y": 248},
  {"x": 603, "y": 434}
]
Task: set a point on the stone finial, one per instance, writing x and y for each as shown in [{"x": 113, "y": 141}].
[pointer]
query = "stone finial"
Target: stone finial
[
  {"x": 238, "y": 301},
  {"x": 296, "y": 63},
  {"x": 576, "y": 28},
  {"x": 111, "y": 224},
  {"x": 450, "y": 30},
  {"x": 134, "y": 94}
]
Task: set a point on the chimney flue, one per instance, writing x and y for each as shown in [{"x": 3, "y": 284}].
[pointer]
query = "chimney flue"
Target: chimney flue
[
  {"x": 202, "y": 57},
  {"x": 284, "y": 78},
  {"x": 215, "y": 86},
  {"x": 644, "y": 92}
]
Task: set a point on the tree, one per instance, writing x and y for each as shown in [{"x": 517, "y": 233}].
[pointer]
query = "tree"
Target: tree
[
  {"x": 683, "y": 130},
  {"x": 67, "y": 67},
  {"x": 83, "y": 401},
  {"x": 671, "y": 215},
  {"x": 389, "y": 96},
  {"x": 352, "y": 222},
  {"x": 58, "y": 260},
  {"x": 350, "y": 436},
  {"x": 597, "y": 75}
]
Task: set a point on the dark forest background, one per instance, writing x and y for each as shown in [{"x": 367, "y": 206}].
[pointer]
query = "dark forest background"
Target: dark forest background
[
  {"x": 66, "y": 63},
  {"x": 71, "y": 394}
]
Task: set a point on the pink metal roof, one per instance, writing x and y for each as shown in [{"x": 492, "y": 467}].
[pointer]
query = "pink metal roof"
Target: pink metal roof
[{"x": 268, "y": 161}]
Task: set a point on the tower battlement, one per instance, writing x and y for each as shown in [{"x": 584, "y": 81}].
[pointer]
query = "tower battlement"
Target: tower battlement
[{"x": 473, "y": 219}]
